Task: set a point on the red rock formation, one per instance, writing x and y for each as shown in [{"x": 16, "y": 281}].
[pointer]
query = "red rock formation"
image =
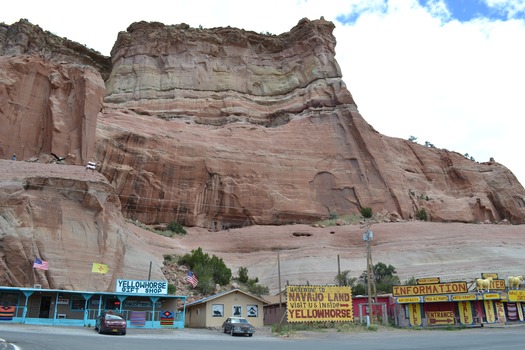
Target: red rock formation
[
  {"x": 48, "y": 108},
  {"x": 223, "y": 127},
  {"x": 24, "y": 38},
  {"x": 213, "y": 128},
  {"x": 69, "y": 217}
]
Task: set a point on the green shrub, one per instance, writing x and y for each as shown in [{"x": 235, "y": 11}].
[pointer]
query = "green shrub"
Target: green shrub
[
  {"x": 366, "y": 212},
  {"x": 202, "y": 265},
  {"x": 176, "y": 228},
  {"x": 333, "y": 216},
  {"x": 421, "y": 214},
  {"x": 258, "y": 289},
  {"x": 243, "y": 274},
  {"x": 172, "y": 289}
]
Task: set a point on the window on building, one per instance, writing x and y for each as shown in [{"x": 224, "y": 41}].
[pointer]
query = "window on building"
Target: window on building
[
  {"x": 8, "y": 299},
  {"x": 77, "y": 304}
]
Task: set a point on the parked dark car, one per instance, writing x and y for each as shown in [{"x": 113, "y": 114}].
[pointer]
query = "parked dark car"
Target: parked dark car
[
  {"x": 238, "y": 325},
  {"x": 111, "y": 322}
]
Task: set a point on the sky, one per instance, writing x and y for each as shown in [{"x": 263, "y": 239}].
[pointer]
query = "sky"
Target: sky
[{"x": 448, "y": 72}]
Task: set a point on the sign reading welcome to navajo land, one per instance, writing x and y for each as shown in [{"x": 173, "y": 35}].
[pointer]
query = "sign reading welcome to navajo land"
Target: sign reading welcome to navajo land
[
  {"x": 142, "y": 287},
  {"x": 319, "y": 303}
]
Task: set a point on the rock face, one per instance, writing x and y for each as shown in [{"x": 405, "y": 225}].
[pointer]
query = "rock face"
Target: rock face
[
  {"x": 214, "y": 128},
  {"x": 24, "y": 38},
  {"x": 225, "y": 128},
  {"x": 68, "y": 217},
  {"x": 48, "y": 108}
]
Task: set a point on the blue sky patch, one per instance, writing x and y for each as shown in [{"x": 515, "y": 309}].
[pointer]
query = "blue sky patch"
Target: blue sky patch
[
  {"x": 446, "y": 10},
  {"x": 357, "y": 9},
  {"x": 467, "y": 10}
]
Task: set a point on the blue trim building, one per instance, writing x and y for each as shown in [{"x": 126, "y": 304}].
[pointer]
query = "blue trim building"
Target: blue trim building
[{"x": 81, "y": 308}]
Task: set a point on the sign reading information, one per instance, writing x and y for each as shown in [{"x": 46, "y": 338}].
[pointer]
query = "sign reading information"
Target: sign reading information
[
  {"x": 430, "y": 289},
  {"x": 142, "y": 287},
  {"x": 319, "y": 303}
]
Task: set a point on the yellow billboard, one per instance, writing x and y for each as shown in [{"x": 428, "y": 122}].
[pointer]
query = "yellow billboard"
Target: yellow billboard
[
  {"x": 516, "y": 295},
  {"x": 466, "y": 315},
  {"x": 489, "y": 311},
  {"x": 414, "y": 314},
  {"x": 430, "y": 289},
  {"x": 464, "y": 297},
  {"x": 440, "y": 317},
  {"x": 319, "y": 303}
]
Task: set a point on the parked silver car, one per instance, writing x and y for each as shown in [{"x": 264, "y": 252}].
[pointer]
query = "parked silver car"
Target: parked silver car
[{"x": 238, "y": 325}]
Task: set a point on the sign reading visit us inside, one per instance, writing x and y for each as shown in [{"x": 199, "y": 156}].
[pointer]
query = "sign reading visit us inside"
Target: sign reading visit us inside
[{"x": 142, "y": 287}]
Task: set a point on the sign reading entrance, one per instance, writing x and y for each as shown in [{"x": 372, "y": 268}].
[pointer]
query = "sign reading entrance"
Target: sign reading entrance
[
  {"x": 142, "y": 287},
  {"x": 440, "y": 317},
  {"x": 319, "y": 303}
]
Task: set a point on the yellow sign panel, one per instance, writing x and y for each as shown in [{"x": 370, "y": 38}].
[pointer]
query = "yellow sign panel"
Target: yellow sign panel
[
  {"x": 465, "y": 312},
  {"x": 489, "y": 311},
  {"x": 319, "y": 303},
  {"x": 430, "y": 289},
  {"x": 516, "y": 295},
  {"x": 491, "y": 296},
  {"x": 435, "y": 298},
  {"x": 408, "y": 300},
  {"x": 414, "y": 314},
  {"x": 464, "y": 297},
  {"x": 500, "y": 309},
  {"x": 440, "y": 317},
  {"x": 497, "y": 285},
  {"x": 429, "y": 280},
  {"x": 487, "y": 275}
]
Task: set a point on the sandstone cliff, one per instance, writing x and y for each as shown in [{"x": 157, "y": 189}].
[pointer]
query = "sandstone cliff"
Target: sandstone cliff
[
  {"x": 48, "y": 108},
  {"x": 69, "y": 217},
  {"x": 215, "y": 128},
  {"x": 225, "y": 128}
]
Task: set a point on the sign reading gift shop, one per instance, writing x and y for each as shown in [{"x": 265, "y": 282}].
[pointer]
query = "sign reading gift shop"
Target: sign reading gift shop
[
  {"x": 319, "y": 303},
  {"x": 430, "y": 289},
  {"x": 142, "y": 287}
]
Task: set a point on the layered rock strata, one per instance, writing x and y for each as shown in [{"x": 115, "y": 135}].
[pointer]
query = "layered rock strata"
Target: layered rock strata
[{"x": 225, "y": 128}]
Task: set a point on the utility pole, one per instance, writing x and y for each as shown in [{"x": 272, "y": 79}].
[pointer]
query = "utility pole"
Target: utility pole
[
  {"x": 367, "y": 237},
  {"x": 338, "y": 270},
  {"x": 279, "y": 273}
]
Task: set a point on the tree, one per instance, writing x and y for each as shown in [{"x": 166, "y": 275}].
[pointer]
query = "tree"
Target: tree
[
  {"x": 243, "y": 274},
  {"x": 208, "y": 270},
  {"x": 384, "y": 277},
  {"x": 342, "y": 279},
  {"x": 412, "y": 139}
]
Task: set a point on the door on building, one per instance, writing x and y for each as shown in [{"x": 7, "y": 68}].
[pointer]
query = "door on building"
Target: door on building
[{"x": 45, "y": 304}]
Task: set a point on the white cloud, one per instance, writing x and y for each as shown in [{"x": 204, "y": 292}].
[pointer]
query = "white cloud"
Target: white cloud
[
  {"x": 411, "y": 71},
  {"x": 512, "y": 8}
]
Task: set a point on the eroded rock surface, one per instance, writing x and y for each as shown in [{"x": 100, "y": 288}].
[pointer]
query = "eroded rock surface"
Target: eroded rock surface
[
  {"x": 48, "y": 108},
  {"x": 69, "y": 217},
  {"x": 225, "y": 128},
  {"x": 213, "y": 128}
]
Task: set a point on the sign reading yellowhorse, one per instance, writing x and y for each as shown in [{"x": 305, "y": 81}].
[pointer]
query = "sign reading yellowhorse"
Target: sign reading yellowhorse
[{"x": 319, "y": 303}]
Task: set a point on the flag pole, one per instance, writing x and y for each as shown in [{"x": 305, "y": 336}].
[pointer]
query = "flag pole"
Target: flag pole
[
  {"x": 89, "y": 280},
  {"x": 30, "y": 273}
]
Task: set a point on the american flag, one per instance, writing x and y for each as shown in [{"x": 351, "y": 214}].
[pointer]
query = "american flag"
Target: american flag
[
  {"x": 192, "y": 279},
  {"x": 40, "y": 264}
]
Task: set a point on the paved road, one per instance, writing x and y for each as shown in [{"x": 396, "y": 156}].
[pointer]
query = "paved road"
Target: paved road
[{"x": 27, "y": 337}]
